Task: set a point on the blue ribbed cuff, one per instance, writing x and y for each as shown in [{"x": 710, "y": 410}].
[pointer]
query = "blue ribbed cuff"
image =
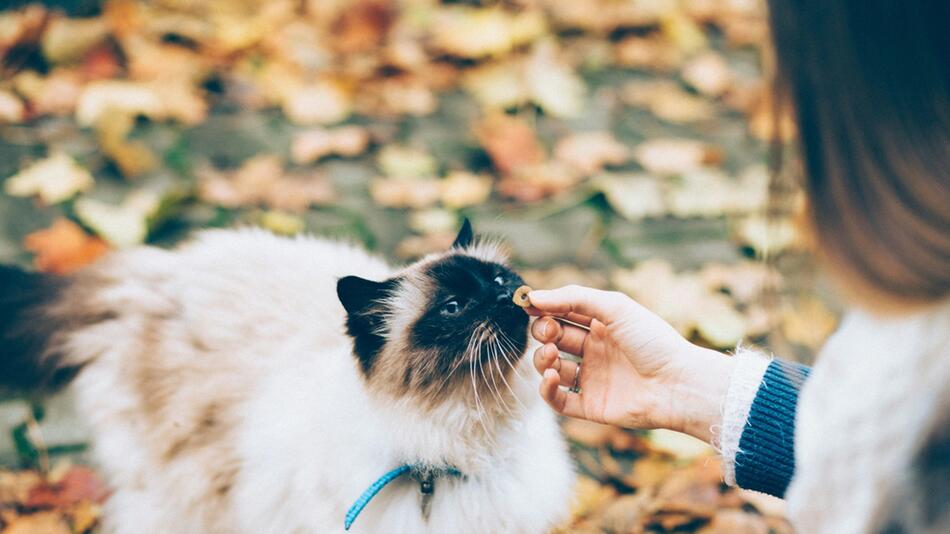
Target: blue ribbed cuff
[{"x": 766, "y": 458}]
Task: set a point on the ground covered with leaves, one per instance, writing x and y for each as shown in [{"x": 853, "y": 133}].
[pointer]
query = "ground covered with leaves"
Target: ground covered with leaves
[{"x": 611, "y": 143}]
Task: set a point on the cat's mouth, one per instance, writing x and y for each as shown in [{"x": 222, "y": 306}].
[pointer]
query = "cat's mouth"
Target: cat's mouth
[{"x": 495, "y": 349}]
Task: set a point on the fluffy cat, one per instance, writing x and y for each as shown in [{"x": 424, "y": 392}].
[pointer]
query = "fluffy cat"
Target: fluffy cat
[{"x": 229, "y": 391}]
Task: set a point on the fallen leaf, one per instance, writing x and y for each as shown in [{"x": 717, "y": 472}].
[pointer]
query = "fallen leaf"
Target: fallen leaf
[
  {"x": 476, "y": 33},
  {"x": 767, "y": 236},
  {"x": 54, "y": 94},
  {"x": 362, "y": 27},
  {"x": 68, "y": 39},
  {"x": 627, "y": 513},
  {"x": 562, "y": 275},
  {"x": 122, "y": 225},
  {"x": 38, "y": 523},
  {"x": 666, "y": 100},
  {"x": 11, "y": 108},
  {"x": 735, "y": 522},
  {"x": 418, "y": 246},
  {"x": 52, "y": 180},
  {"x": 651, "y": 52},
  {"x": 408, "y": 192},
  {"x": 79, "y": 484},
  {"x": 63, "y": 248},
  {"x": 398, "y": 96},
  {"x": 683, "y": 32},
  {"x": 433, "y": 221},
  {"x": 809, "y": 322},
  {"x": 708, "y": 73},
  {"x": 708, "y": 192},
  {"x": 155, "y": 100},
  {"x": 767, "y": 505},
  {"x": 323, "y": 102},
  {"x": 406, "y": 162},
  {"x": 511, "y": 142},
  {"x": 684, "y": 301},
  {"x": 536, "y": 182},
  {"x": 679, "y": 445},
  {"x": 316, "y": 143},
  {"x": 497, "y": 86},
  {"x": 692, "y": 490},
  {"x": 552, "y": 84},
  {"x": 261, "y": 180},
  {"x": 633, "y": 196},
  {"x": 281, "y": 222},
  {"x": 462, "y": 189},
  {"x": 649, "y": 472},
  {"x": 590, "y": 497},
  {"x": 744, "y": 281},
  {"x": 85, "y": 516},
  {"x": 589, "y": 152},
  {"x": 132, "y": 158},
  {"x": 587, "y": 433},
  {"x": 15, "y": 486},
  {"x": 675, "y": 156}
]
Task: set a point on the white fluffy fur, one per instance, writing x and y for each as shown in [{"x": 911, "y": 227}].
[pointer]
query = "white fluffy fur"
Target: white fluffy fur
[{"x": 306, "y": 438}]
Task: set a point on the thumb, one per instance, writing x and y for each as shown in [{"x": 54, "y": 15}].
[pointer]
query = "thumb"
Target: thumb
[{"x": 602, "y": 305}]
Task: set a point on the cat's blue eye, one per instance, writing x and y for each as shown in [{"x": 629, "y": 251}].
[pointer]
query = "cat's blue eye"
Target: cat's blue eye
[
  {"x": 499, "y": 280},
  {"x": 451, "y": 307}
]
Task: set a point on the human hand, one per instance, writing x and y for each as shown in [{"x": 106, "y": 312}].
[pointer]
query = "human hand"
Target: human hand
[{"x": 637, "y": 371}]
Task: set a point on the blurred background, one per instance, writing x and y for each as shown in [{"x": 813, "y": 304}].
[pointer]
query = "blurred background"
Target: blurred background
[{"x": 611, "y": 143}]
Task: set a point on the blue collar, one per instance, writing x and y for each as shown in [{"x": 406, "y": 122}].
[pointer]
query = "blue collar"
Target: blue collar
[{"x": 426, "y": 476}]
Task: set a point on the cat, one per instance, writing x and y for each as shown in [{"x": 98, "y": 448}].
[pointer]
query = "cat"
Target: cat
[{"x": 250, "y": 383}]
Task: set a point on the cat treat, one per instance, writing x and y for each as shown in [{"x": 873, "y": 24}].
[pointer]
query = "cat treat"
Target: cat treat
[{"x": 521, "y": 296}]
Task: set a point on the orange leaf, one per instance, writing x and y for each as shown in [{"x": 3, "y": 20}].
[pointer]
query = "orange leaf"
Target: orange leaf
[
  {"x": 79, "y": 484},
  {"x": 63, "y": 247},
  {"x": 510, "y": 142}
]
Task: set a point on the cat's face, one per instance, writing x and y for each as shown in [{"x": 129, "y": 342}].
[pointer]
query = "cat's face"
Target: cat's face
[{"x": 445, "y": 326}]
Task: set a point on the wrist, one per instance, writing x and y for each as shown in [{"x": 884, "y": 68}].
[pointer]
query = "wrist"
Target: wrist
[{"x": 698, "y": 392}]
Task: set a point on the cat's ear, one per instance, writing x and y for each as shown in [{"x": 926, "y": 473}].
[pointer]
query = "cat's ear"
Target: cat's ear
[
  {"x": 364, "y": 303},
  {"x": 358, "y": 295},
  {"x": 465, "y": 237}
]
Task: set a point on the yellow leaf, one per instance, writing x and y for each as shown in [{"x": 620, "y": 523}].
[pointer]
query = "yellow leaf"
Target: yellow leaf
[
  {"x": 53, "y": 180},
  {"x": 461, "y": 189},
  {"x": 404, "y": 162},
  {"x": 552, "y": 84},
  {"x": 67, "y": 39},
  {"x": 282, "y": 223},
  {"x": 122, "y": 225}
]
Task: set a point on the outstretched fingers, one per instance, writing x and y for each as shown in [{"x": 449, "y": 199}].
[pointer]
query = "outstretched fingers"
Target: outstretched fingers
[
  {"x": 568, "y": 338},
  {"x": 585, "y": 301},
  {"x": 560, "y": 400},
  {"x": 548, "y": 357}
]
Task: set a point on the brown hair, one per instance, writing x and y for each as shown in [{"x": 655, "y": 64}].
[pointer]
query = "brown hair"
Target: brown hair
[{"x": 868, "y": 82}]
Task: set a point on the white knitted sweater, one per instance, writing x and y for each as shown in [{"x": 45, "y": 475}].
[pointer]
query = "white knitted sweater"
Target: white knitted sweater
[{"x": 861, "y": 415}]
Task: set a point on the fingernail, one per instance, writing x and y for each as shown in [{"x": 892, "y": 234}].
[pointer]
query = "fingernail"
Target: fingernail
[{"x": 544, "y": 328}]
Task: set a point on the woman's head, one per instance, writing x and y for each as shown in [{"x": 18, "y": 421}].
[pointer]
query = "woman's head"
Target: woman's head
[{"x": 870, "y": 87}]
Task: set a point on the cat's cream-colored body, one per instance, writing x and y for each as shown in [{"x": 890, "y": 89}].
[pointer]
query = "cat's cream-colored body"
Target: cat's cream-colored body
[{"x": 224, "y": 397}]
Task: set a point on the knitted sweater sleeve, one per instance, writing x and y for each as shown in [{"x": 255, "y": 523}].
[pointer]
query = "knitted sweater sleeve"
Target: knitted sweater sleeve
[{"x": 758, "y": 427}]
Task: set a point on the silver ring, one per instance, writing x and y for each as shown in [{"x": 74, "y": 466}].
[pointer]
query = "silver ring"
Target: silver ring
[{"x": 575, "y": 387}]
